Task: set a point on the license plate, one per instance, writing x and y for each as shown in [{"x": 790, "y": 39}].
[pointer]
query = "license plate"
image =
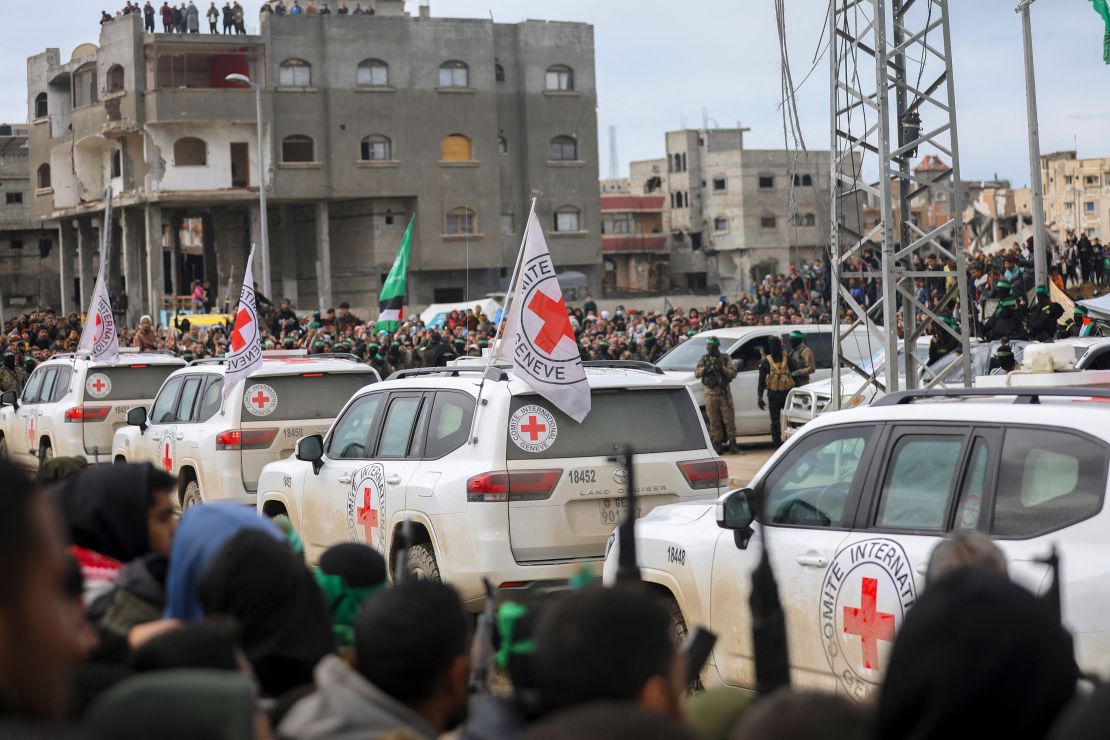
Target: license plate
[{"x": 611, "y": 510}]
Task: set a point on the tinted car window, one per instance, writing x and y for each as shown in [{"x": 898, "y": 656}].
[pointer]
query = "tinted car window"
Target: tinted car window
[
  {"x": 307, "y": 395},
  {"x": 649, "y": 420},
  {"x": 61, "y": 383},
  {"x": 450, "y": 423},
  {"x": 34, "y": 385},
  {"x": 189, "y": 392},
  {"x": 47, "y": 385},
  {"x": 132, "y": 383},
  {"x": 969, "y": 508},
  {"x": 397, "y": 429},
  {"x": 918, "y": 482},
  {"x": 686, "y": 355},
  {"x": 351, "y": 435},
  {"x": 1048, "y": 479},
  {"x": 821, "y": 344},
  {"x": 210, "y": 401},
  {"x": 810, "y": 486},
  {"x": 162, "y": 411}
]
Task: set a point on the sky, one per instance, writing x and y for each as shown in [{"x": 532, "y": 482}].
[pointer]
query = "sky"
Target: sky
[{"x": 660, "y": 64}]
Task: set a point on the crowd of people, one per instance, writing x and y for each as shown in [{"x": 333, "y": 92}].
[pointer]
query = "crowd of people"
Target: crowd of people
[
  {"x": 187, "y": 17},
  {"x": 119, "y": 620}
]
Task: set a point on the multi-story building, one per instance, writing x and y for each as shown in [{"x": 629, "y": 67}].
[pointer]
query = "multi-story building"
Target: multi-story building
[
  {"x": 368, "y": 121},
  {"x": 28, "y": 262},
  {"x": 633, "y": 243},
  {"x": 1076, "y": 195}
]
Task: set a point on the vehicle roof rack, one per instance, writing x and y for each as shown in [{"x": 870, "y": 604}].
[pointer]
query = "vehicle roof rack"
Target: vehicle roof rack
[
  {"x": 647, "y": 367},
  {"x": 495, "y": 373},
  {"x": 1020, "y": 395},
  {"x": 338, "y": 356},
  {"x": 208, "y": 361}
]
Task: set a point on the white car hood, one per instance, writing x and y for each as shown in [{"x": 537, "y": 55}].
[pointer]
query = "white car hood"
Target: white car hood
[{"x": 683, "y": 512}]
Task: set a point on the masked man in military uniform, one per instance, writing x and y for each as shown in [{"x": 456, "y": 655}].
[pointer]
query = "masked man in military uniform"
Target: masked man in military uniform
[
  {"x": 9, "y": 381},
  {"x": 715, "y": 371}
]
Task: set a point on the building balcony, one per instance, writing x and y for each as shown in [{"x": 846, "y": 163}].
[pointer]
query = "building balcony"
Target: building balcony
[
  {"x": 632, "y": 203},
  {"x": 200, "y": 105},
  {"x": 633, "y": 242}
]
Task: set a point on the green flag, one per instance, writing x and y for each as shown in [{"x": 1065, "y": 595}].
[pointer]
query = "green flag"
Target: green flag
[
  {"x": 392, "y": 298},
  {"x": 1104, "y": 10}
]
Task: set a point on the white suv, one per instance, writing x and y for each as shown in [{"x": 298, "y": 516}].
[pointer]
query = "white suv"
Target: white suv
[
  {"x": 72, "y": 405},
  {"x": 853, "y": 506},
  {"x": 526, "y": 502},
  {"x": 217, "y": 452}
]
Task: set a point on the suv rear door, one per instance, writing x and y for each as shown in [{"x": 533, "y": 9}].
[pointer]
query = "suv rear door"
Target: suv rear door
[
  {"x": 566, "y": 494},
  {"x": 277, "y": 410},
  {"x": 109, "y": 393}
]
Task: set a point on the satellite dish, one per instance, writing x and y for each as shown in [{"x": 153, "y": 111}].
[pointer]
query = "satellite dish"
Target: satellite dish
[{"x": 84, "y": 50}]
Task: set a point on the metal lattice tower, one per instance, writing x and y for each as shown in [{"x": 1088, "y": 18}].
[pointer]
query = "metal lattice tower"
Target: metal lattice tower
[{"x": 893, "y": 100}]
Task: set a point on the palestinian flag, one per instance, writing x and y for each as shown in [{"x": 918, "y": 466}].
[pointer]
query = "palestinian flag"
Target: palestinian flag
[
  {"x": 1103, "y": 9},
  {"x": 392, "y": 298}
]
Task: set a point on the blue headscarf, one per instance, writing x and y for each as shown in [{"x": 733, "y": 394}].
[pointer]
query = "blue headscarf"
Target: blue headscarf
[{"x": 200, "y": 535}]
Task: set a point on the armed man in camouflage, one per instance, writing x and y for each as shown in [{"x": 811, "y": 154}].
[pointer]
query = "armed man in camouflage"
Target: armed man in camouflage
[
  {"x": 9, "y": 381},
  {"x": 716, "y": 373}
]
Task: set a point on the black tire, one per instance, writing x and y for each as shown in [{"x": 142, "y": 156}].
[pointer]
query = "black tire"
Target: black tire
[
  {"x": 3, "y": 448},
  {"x": 46, "y": 454},
  {"x": 191, "y": 497},
  {"x": 679, "y": 633},
  {"x": 422, "y": 563}
]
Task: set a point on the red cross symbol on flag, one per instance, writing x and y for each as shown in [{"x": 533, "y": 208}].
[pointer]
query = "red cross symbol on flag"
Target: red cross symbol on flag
[
  {"x": 167, "y": 461},
  {"x": 98, "y": 329},
  {"x": 869, "y": 624},
  {"x": 534, "y": 428},
  {"x": 242, "y": 320},
  {"x": 556, "y": 323},
  {"x": 368, "y": 515}
]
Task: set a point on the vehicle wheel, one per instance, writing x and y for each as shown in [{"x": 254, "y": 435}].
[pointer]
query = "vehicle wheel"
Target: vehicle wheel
[
  {"x": 3, "y": 448},
  {"x": 192, "y": 496},
  {"x": 679, "y": 633},
  {"x": 422, "y": 563},
  {"x": 46, "y": 454}
]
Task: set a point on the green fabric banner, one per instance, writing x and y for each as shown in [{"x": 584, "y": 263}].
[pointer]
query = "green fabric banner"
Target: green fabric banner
[
  {"x": 392, "y": 298},
  {"x": 1103, "y": 9}
]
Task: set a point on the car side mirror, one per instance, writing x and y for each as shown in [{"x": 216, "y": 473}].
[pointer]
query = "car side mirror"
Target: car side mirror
[
  {"x": 136, "y": 417},
  {"x": 734, "y": 511},
  {"x": 311, "y": 449},
  {"x": 9, "y": 398}
]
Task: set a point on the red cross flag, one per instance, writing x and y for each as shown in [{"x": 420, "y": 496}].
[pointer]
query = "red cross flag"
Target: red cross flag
[
  {"x": 245, "y": 353},
  {"x": 538, "y": 334},
  {"x": 98, "y": 337}
]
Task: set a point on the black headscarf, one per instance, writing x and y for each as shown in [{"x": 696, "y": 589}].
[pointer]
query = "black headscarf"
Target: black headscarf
[
  {"x": 284, "y": 620},
  {"x": 105, "y": 509},
  {"x": 978, "y": 656}
]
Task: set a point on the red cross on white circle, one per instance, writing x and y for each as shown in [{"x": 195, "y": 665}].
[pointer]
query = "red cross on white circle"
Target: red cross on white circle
[
  {"x": 534, "y": 428},
  {"x": 98, "y": 385},
  {"x": 868, "y": 623},
  {"x": 167, "y": 461},
  {"x": 260, "y": 399},
  {"x": 368, "y": 515}
]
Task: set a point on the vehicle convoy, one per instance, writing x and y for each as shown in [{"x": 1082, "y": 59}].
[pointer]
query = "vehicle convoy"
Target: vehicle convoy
[
  {"x": 746, "y": 346},
  {"x": 510, "y": 489},
  {"x": 853, "y": 505},
  {"x": 73, "y": 405},
  {"x": 217, "y": 448}
]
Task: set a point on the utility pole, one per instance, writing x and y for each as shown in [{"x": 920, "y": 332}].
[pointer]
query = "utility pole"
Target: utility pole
[{"x": 1040, "y": 236}]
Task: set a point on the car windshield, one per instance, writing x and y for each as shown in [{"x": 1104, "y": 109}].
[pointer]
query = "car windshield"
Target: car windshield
[
  {"x": 686, "y": 355},
  {"x": 981, "y": 355}
]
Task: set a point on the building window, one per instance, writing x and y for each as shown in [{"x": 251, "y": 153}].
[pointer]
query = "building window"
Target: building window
[
  {"x": 766, "y": 182},
  {"x": 115, "y": 78},
  {"x": 17, "y": 244},
  {"x": 720, "y": 184},
  {"x": 1091, "y": 180},
  {"x": 803, "y": 180},
  {"x": 14, "y": 199},
  {"x": 190, "y": 152},
  {"x": 809, "y": 220},
  {"x": 457, "y": 148},
  {"x": 117, "y": 163},
  {"x": 459, "y": 221},
  {"x": 1067, "y": 179},
  {"x": 454, "y": 74},
  {"x": 373, "y": 73},
  {"x": 568, "y": 218},
  {"x": 1090, "y": 207},
  {"x": 44, "y": 176},
  {"x": 295, "y": 73},
  {"x": 508, "y": 225},
  {"x": 685, "y": 199},
  {"x": 45, "y": 245},
  {"x": 298, "y": 148},
  {"x": 720, "y": 224},
  {"x": 376, "y": 148},
  {"x": 563, "y": 149},
  {"x": 502, "y": 145},
  {"x": 498, "y": 73},
  {"x": 560, "y": 77},
  {"x": 84, "y": 86},
  {"x": 42, "y": 109},
  {"x": 767, "y": 222}
]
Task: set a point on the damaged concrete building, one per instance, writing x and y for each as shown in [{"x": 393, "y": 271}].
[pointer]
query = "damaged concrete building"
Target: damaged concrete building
[
  {"x": 368, "y": 120},
  {"x": 28, "y": 262}
]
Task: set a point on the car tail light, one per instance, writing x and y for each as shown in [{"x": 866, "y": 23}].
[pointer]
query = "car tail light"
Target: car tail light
[
  {"x": 78, "y": 414},
  {"x": 709, "y": 473},
  {"x": 312, "y": 375},
  {"x": 513, "y": 584},
  {"x": 518, "y": 485},
  {"x": 139, "y": 367},
  {"x": 245, "y": 439}
]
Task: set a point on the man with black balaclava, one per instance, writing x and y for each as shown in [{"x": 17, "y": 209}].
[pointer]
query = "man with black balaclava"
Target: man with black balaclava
[
  {"x": 1007, "y": 318},
  {"x": 9, "y": 381},
  {"x": 1043, "y": 315},
  {"x": 715, "y": 371},
  {"x": 438, "y": 353},
  {"x": 1003, "y": 361}
]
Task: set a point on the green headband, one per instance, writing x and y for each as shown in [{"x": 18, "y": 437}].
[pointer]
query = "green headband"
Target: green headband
[{"x": 509, "y": 615}]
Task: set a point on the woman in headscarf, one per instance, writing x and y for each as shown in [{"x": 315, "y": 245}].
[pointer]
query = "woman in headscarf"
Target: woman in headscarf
[{"x": 285, "y": 623}]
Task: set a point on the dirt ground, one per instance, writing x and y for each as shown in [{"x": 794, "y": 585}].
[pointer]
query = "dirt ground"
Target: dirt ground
[{"x": 754, "y": 451}]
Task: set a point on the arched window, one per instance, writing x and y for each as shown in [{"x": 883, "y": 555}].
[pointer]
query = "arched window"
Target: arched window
[
  {"x": 454, "y": 74},
  {"x": 190, "y": 152},
  {"x": 498, "y": 73},
  {"x": 295, "y": 73},
  {"x": 459, "y": 221},
  {"x": 115, "y": 78},
  {"x": 568, "y": 218},
  {"x": 373, "y": 73},
  {"x": 456, "y": 148},
  {"x": 376, "y": 148},
  {"x": 298, "y": 148},
  {"x": 720, "y": 224},
  {"x": 44, "y": 176},
  {"x": 809, "y": 219},
  {"x": 502, "y": 145},
  {"x": 564, "y": 149},
  {"x": 560, "y": 77},
  {"x": 42, "y": 109},
  {"x": 807, "y": 180}
]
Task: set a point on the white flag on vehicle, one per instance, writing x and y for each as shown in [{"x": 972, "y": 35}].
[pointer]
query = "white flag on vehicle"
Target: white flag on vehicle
[
  {"x": 538, "y": 335},
  {"x": 245, "y": 343},
  {"x": 99, "y": 337}
]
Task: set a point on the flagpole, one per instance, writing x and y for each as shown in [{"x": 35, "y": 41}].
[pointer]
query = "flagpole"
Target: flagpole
[{"x": 495, "y": 350}]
